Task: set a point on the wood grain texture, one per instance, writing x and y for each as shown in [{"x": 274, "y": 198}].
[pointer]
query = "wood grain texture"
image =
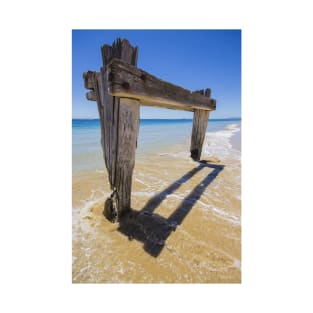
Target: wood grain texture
[
  {"x": 91, "y": 96},
  {"x": 128, "y": 81},
  {"x": 127, "y": 134},
  {"x": 89, "y": 79},
  {"x": 120, "y": 127},
  {"x": 199, "y": 126},
  {"x": 106, "y": 120},
  {"x": 152, "y": 103},
  {"x": 99, "y": 99},
  {"x": 89, "y": 83},
  {"x": 204, "y": 92},
  {"x": 120, "y": 49}
]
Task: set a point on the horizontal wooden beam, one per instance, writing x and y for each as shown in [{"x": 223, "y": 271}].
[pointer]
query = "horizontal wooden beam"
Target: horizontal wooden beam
[
  {"x": 167, "y": 105},
  {"x": 127, "y": 81}
]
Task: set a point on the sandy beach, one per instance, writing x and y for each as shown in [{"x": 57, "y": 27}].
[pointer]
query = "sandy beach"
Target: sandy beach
[{"x": 186, "y": 221}]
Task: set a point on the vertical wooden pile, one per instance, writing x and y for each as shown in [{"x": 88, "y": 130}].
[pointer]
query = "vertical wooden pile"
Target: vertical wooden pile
[
  {"x": 199, "y": 126},
  {"x": 119, "y": 131}
]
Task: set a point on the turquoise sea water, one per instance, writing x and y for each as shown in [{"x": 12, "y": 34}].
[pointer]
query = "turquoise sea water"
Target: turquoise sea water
[{"x": 155, "y": 136}]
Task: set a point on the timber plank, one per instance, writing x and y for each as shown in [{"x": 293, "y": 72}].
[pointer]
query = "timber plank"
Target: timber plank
[{"x": 128, "y": 81}]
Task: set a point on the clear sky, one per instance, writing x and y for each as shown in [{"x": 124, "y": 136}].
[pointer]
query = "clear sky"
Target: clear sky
[{"x": 192, "y": 59}]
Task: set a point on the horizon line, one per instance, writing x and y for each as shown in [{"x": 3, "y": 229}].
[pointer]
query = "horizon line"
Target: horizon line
[{"x": 221, "y": 118}]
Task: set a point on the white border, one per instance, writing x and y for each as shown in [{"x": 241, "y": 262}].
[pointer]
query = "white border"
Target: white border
[{"x": 36, "y": 156}]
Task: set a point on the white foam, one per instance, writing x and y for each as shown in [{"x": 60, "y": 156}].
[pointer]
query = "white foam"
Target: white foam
[
  {"x": 140, "y": 181},
  {"x": 143, "y": 194},
  {"x": 174, "y": 196},
  {"x": 81, "y": 213},
  {"x": 237, "y": 264},
  {"x": 233, "y": 127},
  {"x": 218, "y": 143},
  {"x": 223, "y": 214}
]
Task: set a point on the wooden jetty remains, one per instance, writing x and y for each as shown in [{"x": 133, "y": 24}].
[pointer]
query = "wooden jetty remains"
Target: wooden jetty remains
[{"x": 119, "y": 89}]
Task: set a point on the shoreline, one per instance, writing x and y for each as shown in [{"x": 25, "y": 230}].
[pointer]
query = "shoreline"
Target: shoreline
[{"x": 235, "y": 140}]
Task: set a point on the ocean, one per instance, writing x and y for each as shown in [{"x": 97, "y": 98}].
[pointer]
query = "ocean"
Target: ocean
[
  {"x": 191, "y": 210},
  {"x": 155, "y": 135}
]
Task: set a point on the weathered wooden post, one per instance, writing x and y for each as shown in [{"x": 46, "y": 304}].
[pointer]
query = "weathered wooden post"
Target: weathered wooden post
[
  {"x": 119, "y": 118},
  {"x": 119, "y": 89},
  {"x": 121, "y": 126},
  {"x": 199, "y": 126}
]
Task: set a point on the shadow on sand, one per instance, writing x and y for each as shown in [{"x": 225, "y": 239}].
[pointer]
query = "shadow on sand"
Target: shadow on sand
[{"x": 152, "y": 229}]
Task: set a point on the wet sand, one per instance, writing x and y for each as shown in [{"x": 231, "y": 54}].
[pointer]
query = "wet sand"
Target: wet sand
[{"x": 185, "y": 226}]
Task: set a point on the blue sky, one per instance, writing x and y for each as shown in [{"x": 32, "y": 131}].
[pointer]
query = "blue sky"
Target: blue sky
[{"x": 192, "y": 59}]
